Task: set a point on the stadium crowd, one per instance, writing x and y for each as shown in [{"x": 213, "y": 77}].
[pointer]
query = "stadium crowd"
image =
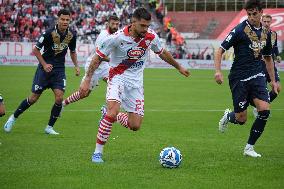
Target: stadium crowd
[{"x": 25, "y": 20}]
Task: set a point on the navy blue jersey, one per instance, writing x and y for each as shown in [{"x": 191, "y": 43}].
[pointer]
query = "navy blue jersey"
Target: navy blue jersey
[
  {"x": 275, "y": 51},
  {"x": 55, "y": 45},
  {"x": 249, "y": 44}
]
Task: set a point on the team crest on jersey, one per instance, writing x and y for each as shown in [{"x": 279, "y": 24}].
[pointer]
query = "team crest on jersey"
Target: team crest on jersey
[
  {"x": 135, "y": 53},
  {"x": 256, "y": 44}
]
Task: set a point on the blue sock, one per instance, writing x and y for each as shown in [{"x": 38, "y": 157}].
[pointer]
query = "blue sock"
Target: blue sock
[
  {"x": 22, "y": 107},
  {"x": 55, "y": 112},
  {"x": 272, "y": 95},
  {"x": 258, "y": 126}
]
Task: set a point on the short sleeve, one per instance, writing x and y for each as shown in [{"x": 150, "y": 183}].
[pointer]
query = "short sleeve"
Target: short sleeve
[
  {"x": 230, "y": 40},
  {"x": 156, "y": 45},
  {"x": 267, "y": 49},
  {"x": 72, "y": 44},
  {"x": 43, "y": 39},
  {"x": 104, "y": 48}
]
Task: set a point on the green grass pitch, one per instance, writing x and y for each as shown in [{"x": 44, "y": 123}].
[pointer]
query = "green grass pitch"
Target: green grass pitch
[{"x": 180, "y": 112}]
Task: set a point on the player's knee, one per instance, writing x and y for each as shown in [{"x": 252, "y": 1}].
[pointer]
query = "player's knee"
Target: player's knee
[
  {"x": 112, "y": 115},
  {"x": 84, "y": 95},
  {"x": 134, "y": 127},
  {"x": 241, "y": 123},
  {"x": 58, "y": 99},
  {"x": 32, "y": 99},
  {"x": 2, "y": 110},
  {"x": 241, "y": 119},
  {"x": 264, "y": 114}
]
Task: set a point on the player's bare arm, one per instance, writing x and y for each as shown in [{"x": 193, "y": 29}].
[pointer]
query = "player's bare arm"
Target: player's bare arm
[
  {"x": 46, "y": 67},
  {"x": 75, "y": 62},
  {"x": 217, "y": 62},
  {"x": 167, "y": 57},
  {"x": 270, "y": 69},
  {"x": 84, "y": 87}
]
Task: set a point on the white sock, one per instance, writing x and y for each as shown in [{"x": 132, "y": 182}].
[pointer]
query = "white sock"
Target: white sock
[
  {"x": 99, "y": 148},
  {"x": 248, "y": 146}
]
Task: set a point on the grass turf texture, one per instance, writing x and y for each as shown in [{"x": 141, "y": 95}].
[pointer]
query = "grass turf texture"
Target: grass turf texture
[{"x": 180, "y": 112}]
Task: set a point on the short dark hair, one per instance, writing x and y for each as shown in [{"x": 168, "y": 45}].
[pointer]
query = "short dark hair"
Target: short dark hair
[
  {"x": 253, "y": 4},
  {"x": 64, "y": 12},
  {"x": 141, "y": 13},
  {"x": 113, "y": 17}
]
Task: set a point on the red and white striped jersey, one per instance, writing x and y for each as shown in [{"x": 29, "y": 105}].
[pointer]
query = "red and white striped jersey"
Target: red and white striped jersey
[
  {"x": 128, "y": 55},
  {"x": 103, "y": 35}
]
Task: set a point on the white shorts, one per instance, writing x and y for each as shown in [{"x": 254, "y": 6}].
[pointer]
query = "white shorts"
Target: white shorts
[
  {"x": 131, "y": 99},
  {"x": 100, "y": 73}
]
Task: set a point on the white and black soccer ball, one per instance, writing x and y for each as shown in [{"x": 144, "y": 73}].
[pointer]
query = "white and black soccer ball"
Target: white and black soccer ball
[{"x": 170, "y": 157}]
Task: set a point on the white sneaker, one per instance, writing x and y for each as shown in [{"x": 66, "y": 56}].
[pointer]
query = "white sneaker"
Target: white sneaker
[
  {"x": 9, "y": 124},
  {"x": 97, "y": 158},
  {"x": 249, "y": 151},
  {"x": 255, "y": 112},
  {"x": 49, "y": 130},
  {"x": 223, "y": 123}
]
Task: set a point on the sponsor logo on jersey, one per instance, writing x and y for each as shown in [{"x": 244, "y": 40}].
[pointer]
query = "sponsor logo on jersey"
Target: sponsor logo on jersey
[
  {"x": 135, "y": 53},
  {"x": 60, "y": 47},
  {"x": 137, "y": 65}
]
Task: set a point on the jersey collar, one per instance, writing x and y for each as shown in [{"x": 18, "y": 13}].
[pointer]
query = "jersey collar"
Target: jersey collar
[
  {"x": 57, "y": 30},
  {"x": 252, "y": 27}
]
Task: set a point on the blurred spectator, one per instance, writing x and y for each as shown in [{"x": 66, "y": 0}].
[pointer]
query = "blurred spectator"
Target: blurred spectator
[
  {"x": 26, "y": 19},
  {"x": 208, "y": 57},
  {"x": 169, "y": 38}
]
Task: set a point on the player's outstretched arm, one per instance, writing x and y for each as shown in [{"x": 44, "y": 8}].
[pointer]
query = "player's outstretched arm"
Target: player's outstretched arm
[
  {"x": 85, "y": 85},
  {"x": 46, "y": 67},
  {"x": 75, "y": 62},
  {"x": 217, "y": 62},
  {"x": 167, "y": 57},
  {"x": 270, "y": 69}
]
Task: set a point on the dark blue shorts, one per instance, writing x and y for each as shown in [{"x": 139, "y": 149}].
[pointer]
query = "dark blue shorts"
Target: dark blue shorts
[
  {"x": 277, "y": 77},
  {"x": 56, "y": 79},
  {"x": 243, "y": 92}
]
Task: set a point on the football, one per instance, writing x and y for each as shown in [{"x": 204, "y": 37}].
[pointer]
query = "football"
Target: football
[{"x": 170, "y": 157}]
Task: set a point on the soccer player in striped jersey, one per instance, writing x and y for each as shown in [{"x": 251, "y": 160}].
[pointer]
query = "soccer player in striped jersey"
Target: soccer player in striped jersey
[
  {"x": 128, "y": 49},
  {"x": 103, "y": 70}
]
